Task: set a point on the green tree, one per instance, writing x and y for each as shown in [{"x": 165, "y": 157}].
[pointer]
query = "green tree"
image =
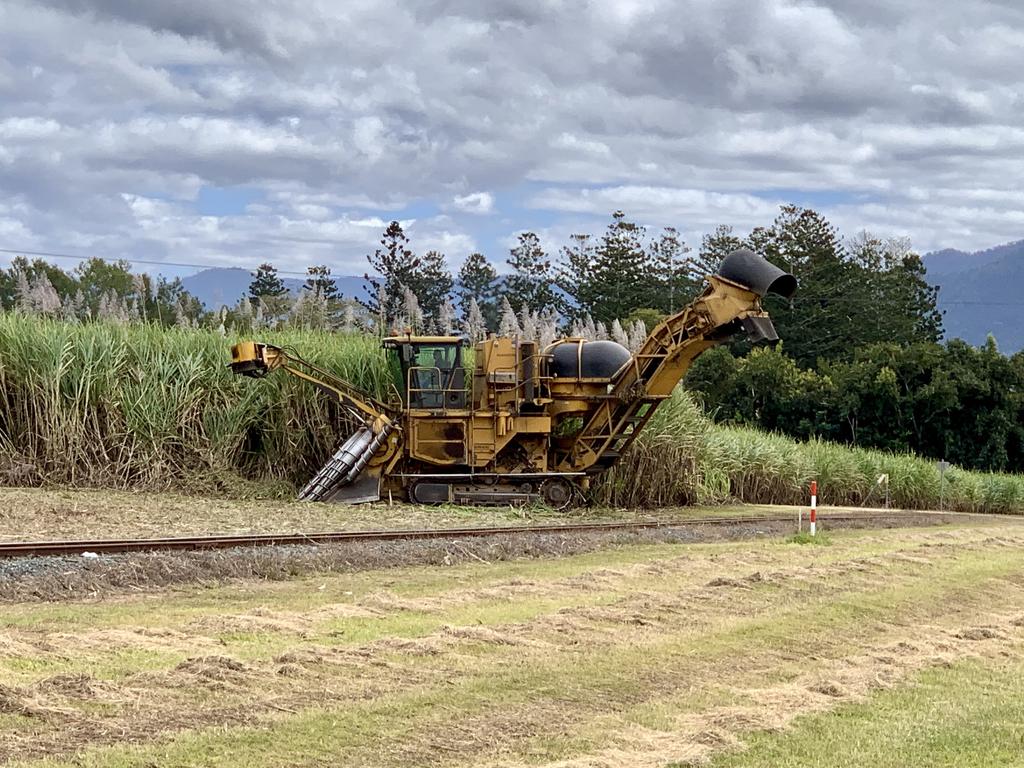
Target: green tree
[
  {"x": 673, "y": 280},
  {"x": 321, "y": 285},
  {"x": 320, "y": 282},
  {"x": 268, "y": 292},
  {"x": 98, "y": 278},
  {"x": 610, "y": 278},
  {"x": 531, "y": 284},
  {"x": 478, "y": 281},
  {"x": 395, "y": 267},
  {"x": 574, "y": 275},
  {"x": 823, "y": 322},
  {"x": 887, "y": 273},
  {"x": 432, "y": 285},
  {"x": 714, "y": 247}
]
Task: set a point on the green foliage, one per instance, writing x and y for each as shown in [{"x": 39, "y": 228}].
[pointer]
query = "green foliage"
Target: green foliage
[
  {"x": 100, "y": 289},
  {"x": 394, "y": 267},
  {"x": 268, "y": 292},
  {"x": 266, "y": 284},
  {"x": 868, "y": 293},
  {"x": 956, "y": 402},
  {"x": 477, "y": 280},
  {"x": 684, "y": 458},
  {"x": 433, "y": 286},
  {"x": 612, "y": 277},
  {"x": 648, "y": 315},
  {"x": 673, "y": 280},
  {"x": 531, "y": 284},
  {"x": 320, "y": 282}
]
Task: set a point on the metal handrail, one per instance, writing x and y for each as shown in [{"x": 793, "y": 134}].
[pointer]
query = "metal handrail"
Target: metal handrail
[{"x": 441, "y": 391}]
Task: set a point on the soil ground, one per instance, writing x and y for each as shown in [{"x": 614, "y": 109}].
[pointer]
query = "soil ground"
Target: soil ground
[
  {"x": 39, "y": 514},
  {"x": 641, "y": 655}
]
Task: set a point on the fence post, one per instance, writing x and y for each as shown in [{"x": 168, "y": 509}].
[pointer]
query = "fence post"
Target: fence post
[{"x": 814, "y": 505}]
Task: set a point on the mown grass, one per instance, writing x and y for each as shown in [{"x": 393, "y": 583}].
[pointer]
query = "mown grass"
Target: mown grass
[
  {"x": 497, "y": 701},
  {"x": 135, "y": 406},
  {"x": 969, "y": 714}
]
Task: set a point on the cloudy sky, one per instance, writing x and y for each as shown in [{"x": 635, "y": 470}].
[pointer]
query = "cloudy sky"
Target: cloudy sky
[{"x": 229, "y": 133}]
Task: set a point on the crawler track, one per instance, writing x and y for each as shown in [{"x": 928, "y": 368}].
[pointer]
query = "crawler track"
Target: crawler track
[{"x": 120, "y": 546}]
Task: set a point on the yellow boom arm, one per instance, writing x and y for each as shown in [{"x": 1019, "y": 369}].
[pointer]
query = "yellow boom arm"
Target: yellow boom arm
[
  {"x": 730, "y": 304},
  {"x": 256, "y": 359}
]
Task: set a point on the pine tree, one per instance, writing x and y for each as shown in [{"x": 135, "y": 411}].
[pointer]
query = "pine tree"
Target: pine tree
[
  {"x": 531, "y": 283},
  {"x": 269, "y": 292},
  {"x": 266, "y": 283},
  {"x": 623, "y": 274},
  {"x": 675, "y": 285},
  {"x": 394, "y": 266},
  {"x": 433, "y": 285},
  {"x": 823, "y": 323},
  {"x": 575, "y": 274},
  {"x": 714, "y": 247},
  {"x": 320, "y": 283},
  {"x": 477, "y": 282}
]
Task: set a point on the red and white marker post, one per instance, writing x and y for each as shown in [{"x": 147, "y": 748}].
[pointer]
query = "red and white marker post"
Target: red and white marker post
[{"x": 814, "y": 505}]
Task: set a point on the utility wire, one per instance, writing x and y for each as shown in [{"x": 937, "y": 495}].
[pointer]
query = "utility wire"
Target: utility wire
[
  {"x": 50, "y": 255},
  {"x": 799, "y": 298}
]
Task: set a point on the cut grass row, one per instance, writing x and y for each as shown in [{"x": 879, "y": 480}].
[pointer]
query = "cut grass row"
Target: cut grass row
[
  {"x": 135, "y": 406},
  {"x": 568, "y": 674},
  {"x": 968, "y": 714}
]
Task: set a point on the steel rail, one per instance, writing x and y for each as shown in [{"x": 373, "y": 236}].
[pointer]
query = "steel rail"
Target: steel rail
[{"x": 10, "y": 549}]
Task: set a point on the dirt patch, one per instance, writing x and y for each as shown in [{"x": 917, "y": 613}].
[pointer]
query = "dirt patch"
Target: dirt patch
[{"x": 68, "y": 577}]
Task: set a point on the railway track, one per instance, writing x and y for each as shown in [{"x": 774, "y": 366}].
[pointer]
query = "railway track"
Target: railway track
[{"x": 120, "y": 546}]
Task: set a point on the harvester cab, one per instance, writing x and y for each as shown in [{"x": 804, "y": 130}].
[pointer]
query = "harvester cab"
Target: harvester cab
[
  {"x": 429, "y": 371},
  {"x": 540, "y": 423}
]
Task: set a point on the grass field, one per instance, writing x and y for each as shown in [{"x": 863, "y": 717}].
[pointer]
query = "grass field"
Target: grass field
[{"x": 884, "y": 647}]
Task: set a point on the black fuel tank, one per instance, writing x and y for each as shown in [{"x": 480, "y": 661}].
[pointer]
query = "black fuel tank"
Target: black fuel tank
[{"x": 587, "y": 359}]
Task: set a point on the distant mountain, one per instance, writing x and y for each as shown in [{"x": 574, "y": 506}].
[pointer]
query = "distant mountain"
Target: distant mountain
[
  {"x": 981, "y": 293},
  {"x": 217, "y": 286}
]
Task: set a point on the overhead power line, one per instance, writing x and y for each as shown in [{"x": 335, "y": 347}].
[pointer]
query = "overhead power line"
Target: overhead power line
[
  {"x": 150, "y": 262},
  {"x": 799, "y": 298}
]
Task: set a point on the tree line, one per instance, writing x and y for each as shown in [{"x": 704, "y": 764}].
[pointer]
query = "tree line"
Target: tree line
[
  {"x": 947, "y": 401},
  {"x": 860, "y": 362},
  {"x": 608, "y": 285}
]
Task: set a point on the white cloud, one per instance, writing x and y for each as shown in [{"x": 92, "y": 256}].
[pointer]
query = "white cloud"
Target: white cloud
[
  {"x": 114, "y": 114},
  {"x": 474, "y": 202}
]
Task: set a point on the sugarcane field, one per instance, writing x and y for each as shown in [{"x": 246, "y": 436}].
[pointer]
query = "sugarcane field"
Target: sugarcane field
[{"x": 529, "y": 385}]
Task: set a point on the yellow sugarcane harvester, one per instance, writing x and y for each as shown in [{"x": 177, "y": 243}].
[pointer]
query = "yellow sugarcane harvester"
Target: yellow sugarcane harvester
[{"x": 534, "y": 424}]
